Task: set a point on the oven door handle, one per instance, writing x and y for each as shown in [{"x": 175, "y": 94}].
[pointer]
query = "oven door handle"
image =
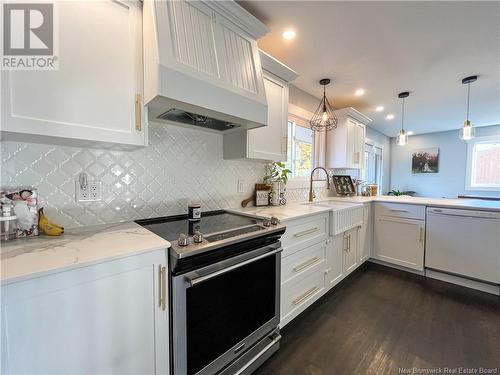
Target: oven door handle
[{"x": 201, "y": 279}]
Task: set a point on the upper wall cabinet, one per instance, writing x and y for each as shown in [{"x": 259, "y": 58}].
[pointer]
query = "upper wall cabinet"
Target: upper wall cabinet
[
  {"x": 345, "y": 144},
  {"x": 268, "y": 142},
  {"x": 95, "y": 97}
]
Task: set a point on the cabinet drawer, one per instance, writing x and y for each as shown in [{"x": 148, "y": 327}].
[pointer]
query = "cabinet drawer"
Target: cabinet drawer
[
  {"x": 297, "y": 296},
  {"x": 303, "y": 262},
  {"x": 407, "y": 211},
  {"x": 303, "y": 233}
]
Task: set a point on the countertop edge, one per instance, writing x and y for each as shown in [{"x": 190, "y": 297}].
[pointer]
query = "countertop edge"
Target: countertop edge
[{"x": 31, "y": 258}]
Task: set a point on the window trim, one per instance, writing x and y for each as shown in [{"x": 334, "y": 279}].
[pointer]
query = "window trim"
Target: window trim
[
  {"x": 373, "y": 143},
  {"x": 306, "y": 179},
  {"x": 469, "y": 160},
  {"x": 301, "y": 115}
]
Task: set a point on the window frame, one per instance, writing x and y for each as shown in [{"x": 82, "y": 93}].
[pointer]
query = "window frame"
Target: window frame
[
  {"x": 469, "y": 162},
  {"x": 372, "y": 143},
  {"x": 294, "y": 123}
]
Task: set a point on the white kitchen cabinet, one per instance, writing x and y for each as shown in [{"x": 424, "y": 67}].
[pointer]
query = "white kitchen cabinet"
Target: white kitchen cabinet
[
  {"x": 345, "y": 144},
  {"x": 334, "y": 272},
  {"x": 303, "y": 264},
  {"x": 267, "y": 142},
  {"x": 101, "y": 319},
  {"x": 350, "y": 251},
  {"x": 95, "y": 97},
  {"x": 398, "y": 239},
  {"x": 365, "y": 235}
]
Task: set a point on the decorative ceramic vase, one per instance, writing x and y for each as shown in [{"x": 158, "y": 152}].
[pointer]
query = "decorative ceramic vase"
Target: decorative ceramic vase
[
  {"x": 274, "y": 195},
  {"x": 277, "y": 194}
]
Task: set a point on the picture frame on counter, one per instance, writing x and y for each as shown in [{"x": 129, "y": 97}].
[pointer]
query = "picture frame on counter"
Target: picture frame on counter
[{"x": 262, "y": 194}]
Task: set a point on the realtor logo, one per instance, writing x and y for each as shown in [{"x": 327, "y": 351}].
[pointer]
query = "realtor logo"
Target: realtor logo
[{"x": 28, "y": 36}]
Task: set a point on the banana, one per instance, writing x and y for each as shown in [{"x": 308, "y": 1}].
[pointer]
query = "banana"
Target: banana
[{"x": 48, "y": 227}]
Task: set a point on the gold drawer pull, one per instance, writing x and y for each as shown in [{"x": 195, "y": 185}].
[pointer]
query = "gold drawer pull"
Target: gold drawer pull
[
  {"x": 163, "y": 288},
  {"x": 306, "y": 232},
  {"x": 307, "y": 264},
  {"x": 138, "y": 113},
  {"x": 305, "y": 296}
]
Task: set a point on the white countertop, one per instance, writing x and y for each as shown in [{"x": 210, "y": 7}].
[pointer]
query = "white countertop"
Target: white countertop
[
  {"x": 30, "y": 257},
  {"x": 292, "y": 210},
  {"x": 476, "y": 204},
  {"x": 301, "y": 209}
]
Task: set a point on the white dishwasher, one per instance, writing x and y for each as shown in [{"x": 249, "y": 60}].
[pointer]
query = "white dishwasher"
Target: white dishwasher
[{"x": 464, "y": 242}]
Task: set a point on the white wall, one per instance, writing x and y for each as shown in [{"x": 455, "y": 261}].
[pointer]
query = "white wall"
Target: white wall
[{"x": 450, "y": 180}]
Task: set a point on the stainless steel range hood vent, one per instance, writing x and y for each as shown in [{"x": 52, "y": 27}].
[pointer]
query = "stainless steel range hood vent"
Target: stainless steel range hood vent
[
  {"x": 206, "y": 122},
  {"x": 202, "y": 66}
]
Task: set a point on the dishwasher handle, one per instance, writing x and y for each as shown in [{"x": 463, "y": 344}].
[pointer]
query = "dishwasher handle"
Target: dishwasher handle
[{"x": 463, "y": 213}]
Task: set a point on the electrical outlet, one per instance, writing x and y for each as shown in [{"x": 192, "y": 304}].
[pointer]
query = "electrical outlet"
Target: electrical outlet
[
  {"x": 92, "y": 192},
  {"x": 241, "y": 186}
]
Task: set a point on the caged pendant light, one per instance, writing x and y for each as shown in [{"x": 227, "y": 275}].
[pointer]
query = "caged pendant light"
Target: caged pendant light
[
  {"x": 467, "y": 131},
  {"x": 324, "y": 118},
  {"x": 402, "y": 138}
]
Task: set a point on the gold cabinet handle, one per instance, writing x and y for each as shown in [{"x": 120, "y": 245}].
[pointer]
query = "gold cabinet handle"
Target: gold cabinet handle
[
  {"x": 421, "y": 238},
  {"x": 138, "y": 112},
  {"x": 305, "y": 296},
  {"x": 306, "y": 232},
  {"x": 163, "y": 288},
  {"x": 307, "y": 264}
]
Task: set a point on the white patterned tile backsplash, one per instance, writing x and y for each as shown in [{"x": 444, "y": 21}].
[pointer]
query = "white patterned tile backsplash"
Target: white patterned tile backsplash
[{"x": 159, "y": 180}]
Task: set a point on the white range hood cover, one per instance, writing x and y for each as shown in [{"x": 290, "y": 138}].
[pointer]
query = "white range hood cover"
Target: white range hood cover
[{"x": 201, "y": 57}]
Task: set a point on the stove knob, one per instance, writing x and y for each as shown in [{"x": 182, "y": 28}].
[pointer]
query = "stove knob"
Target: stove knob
[
  {"x": 274, "y": 220},
  {"x": 266, "y": 223},
  {"x": 183, "y": 240},
  {"x": 197, "y": 237}
]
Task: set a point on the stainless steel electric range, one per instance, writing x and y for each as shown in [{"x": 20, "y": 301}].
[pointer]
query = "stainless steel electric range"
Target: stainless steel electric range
[{"x": 224, "y": 291}]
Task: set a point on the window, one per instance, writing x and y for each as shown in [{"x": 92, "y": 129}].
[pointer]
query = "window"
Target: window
[
  {"x": 483, "y": 164},
  {"x": 372, "y": 171},
  {"x": 300, "y": 150}
]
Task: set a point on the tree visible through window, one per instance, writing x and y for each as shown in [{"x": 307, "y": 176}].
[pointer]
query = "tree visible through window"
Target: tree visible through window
[
  {"x": 300, "y": 150},
  {"x": 484, "y": 164}
]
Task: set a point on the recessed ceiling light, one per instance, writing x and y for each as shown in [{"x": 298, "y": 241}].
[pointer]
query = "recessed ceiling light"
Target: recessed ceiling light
[
  {"x": 380, "y": 108},
  {"x": 390, "y": 116},
  {"x": 288, "y": 34},
  {"x": 410, "y": 133},
  {"x": 359, "y": 92}
]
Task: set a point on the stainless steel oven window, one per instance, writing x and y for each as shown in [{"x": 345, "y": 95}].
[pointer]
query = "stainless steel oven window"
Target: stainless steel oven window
[{"x": 224, "y": 294}]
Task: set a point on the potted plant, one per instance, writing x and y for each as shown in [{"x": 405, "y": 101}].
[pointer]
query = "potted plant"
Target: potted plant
[
  {"x": 398, "y": 193},
  {"x": 277, "y": 177}
]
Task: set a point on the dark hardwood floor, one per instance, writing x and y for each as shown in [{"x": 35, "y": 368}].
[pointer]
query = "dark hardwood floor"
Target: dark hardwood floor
[{"x": 380, "y": 320}]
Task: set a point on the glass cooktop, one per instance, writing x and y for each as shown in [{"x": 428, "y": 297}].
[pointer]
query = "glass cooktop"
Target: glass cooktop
[{"x": 171, "y": 227}]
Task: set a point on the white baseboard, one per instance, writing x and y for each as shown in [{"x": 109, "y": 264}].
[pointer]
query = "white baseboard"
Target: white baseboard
[
  {"x": 453, "y": 279},
  {"x": 468, "y": 283},
  {"x": 398, "y": 267}
]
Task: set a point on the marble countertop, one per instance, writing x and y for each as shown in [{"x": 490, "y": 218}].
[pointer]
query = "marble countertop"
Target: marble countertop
[
  {"x": 301, "y": 209},
  {"x": 476, "y": 204},
  {"x": 293, "y": 210},
  {"x": 31, "y": 257}
]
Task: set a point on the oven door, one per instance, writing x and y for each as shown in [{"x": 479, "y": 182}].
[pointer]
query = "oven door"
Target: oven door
[{"x": 221, "y": 310}]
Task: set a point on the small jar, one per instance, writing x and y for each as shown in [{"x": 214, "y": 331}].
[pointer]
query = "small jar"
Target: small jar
[
  {"x": 8, "y": 223},
  {"x": 194, "y": 211}
]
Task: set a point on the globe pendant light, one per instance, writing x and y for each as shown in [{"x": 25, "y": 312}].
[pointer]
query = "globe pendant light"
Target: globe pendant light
[
  {"x": 467, "y": 131},
  {"x": 324, "y": 118},
  {"x": 402, "y": 138}
]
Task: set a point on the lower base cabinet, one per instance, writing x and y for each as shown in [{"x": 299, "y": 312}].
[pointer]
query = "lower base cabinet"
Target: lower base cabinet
[
  {"x": 309, "y": 270},
  {"x": 102, "y": 319}
]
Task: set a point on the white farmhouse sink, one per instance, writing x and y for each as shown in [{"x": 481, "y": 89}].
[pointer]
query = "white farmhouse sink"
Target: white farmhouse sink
[{"x": 343, "y": 215}]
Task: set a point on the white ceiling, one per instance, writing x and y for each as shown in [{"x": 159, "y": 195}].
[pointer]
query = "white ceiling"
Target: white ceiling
[{"x": 388, "y": 47}]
